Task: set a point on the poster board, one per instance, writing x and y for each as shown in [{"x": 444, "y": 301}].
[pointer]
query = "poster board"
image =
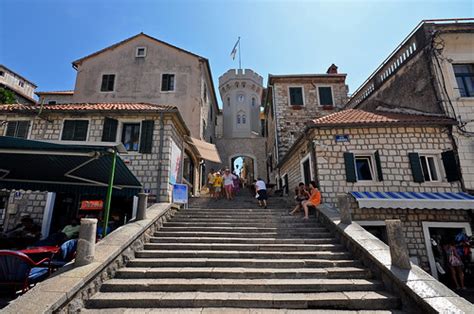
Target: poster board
[
  {"x": 175, "y": 162},
  {"x": 180, "y": 193}
]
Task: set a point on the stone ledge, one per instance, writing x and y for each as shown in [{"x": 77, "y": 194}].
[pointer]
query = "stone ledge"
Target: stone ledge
[
  {"x": 54, "y": 294},
  {"x": 421, "y": 289}
]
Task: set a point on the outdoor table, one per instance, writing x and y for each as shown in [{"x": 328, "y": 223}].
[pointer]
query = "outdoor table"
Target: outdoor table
[{"x": 39, "y": 252}]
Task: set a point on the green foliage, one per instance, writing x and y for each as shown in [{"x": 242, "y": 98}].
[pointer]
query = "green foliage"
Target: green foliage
[{"x": 7, "y": 97}]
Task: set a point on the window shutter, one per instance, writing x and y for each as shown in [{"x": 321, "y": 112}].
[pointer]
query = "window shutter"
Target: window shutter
[
  {"x": 80, "y": 132},
  {"x": 103, "y": 86},
  {"x": 416, "y": 167},
  {"x": 146, "y": 138},
  {"x": 164, "y": 82},
  {"x": 68, "y": 130},
  {"x": 109, "y": 132},
  {"x": 450, "y": 166},
  {"x": 11, "y": 128},
  {"x": 325, "y": 96},
  {"x": 378, "y": 164},
  {"x": 350, "y": 167}
]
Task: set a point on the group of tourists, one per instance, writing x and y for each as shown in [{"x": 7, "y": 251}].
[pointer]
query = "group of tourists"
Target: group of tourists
[
  {"x": 306, "y": 196},
  {"x": 223, "y": 183}
]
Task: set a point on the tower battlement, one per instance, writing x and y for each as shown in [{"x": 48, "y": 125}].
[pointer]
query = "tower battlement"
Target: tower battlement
[{"x": 240, "y": 74}]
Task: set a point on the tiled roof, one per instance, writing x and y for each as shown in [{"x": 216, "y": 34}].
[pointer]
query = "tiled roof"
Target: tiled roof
[
  {"x": 357, "y": 117},
  {"x": 59, "y": 92},
  {"x": 84, "y": 107}
]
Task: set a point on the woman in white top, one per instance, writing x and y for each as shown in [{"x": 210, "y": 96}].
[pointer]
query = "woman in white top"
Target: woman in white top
[
  {"x": 228, "y": 184},
  {"x": 261, "y": 189}
]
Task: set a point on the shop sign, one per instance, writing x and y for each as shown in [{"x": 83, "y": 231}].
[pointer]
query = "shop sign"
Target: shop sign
[
  {"x": 92, "y": 205},
  {"x": 341, "y": 138},
  {"x": 180, "y": 193}
]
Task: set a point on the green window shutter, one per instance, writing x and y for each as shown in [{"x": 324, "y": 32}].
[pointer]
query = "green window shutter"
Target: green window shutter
[
  {"x": 325, "y": 96},
  {"x": 80, "y": 132},
  {"x": 416, "y": 167},
  {"x": 109, "y": 132},
  {"x": 11, "y": 128},
  {"x": 68, "y": 130},
  {"x": 378, "y": 164},
  {"x": 146, "y": 136},
  {"x": 450, "y": 166},
  {"x": 349, "y": 162}
]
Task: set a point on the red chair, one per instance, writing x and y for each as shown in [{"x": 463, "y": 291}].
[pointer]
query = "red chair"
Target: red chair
[{"x": 18, "y": 271}]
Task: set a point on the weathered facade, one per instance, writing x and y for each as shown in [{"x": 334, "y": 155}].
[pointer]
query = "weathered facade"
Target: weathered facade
[
  {"x": 23, "y": 89},
  {"x": 55, "y": 97},
  {"x": 111, "y": 123},
  {"x": 384, "y": 142},
  {"x": 432, "y": 71},
  {"x": 292, "y": 100}
]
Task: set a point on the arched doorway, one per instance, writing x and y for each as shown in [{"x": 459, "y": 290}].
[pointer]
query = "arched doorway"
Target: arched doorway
[{"x": 244, "y": 167}]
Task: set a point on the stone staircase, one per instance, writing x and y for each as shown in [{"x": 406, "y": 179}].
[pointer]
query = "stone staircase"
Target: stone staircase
[{"x": 220, "y": 257}]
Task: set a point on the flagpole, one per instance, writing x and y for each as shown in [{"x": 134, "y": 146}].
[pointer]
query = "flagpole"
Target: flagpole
[{"x": 240, "y": 62}]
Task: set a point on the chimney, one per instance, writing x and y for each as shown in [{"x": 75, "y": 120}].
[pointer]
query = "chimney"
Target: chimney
[{"x": 332, "y": 69}]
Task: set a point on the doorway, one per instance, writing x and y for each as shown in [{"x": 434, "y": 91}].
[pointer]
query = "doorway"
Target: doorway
[
  {"x": 244, "y": 167},
  {"x": 306, "y": 173}
]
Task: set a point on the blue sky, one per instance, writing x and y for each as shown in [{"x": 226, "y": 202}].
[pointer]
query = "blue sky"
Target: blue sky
[{"x": 40, "y": 39}]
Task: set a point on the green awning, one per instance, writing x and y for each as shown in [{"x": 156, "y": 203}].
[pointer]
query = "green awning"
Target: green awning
[{"x": 46, "y": 166}]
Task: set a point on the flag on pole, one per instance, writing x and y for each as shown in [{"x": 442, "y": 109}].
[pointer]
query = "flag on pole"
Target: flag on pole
[{"x": 234, "y": 51}]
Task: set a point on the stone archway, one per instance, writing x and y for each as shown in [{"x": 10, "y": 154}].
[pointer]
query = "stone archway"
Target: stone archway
[{"x": 245, "y": 166}]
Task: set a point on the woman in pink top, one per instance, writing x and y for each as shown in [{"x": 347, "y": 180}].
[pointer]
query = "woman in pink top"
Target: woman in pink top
[{"x": 228, "y": 184}]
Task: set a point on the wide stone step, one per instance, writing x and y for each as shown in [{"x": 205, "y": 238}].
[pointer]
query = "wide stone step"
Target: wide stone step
[
  {"x": 303, "y": 229},
  {"x": 244, "y": 247},
  {"x": 230, "y": 215},
  {"x": 253, "y": 224},
  {"x": 282, "y": 220},
  {"x": 239, "y": 285},
  {"x": 355, "y": 300},
  {"x": 242, "y": 240},
  {"x": 241, "y": 254},
  {"x": 244, "y": 273},
  {"x": 311, "y": 235},
  {"x": 241, "y": 262},
  {"x": 229, "y": 310}
]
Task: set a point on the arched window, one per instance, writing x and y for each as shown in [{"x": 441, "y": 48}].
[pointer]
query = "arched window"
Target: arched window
[
  {"x": 253, "y": 101},
  {"x": 228, "y": 101},
  {"x": 244, "y": 119},
  {"x": 238, "y": 119}
]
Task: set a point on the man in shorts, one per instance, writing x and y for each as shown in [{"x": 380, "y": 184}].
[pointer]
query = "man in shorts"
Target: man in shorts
[
  {"x": 210, "y": 182},
  {"x": 261, "y": 190}
]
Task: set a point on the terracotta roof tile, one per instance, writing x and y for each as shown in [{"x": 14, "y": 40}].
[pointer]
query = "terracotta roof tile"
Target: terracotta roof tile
[
  {"x": 357, "y": 117},
  {"x": 84, "y": 107}
]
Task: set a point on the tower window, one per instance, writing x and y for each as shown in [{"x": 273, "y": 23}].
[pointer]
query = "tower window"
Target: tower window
[
  {"x": 253, "y": 101},
  {"x": 244, "y": 119},
  {"x": 238, "y": 119}
]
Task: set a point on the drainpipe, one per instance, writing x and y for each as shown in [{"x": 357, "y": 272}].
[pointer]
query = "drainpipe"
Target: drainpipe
[
  {"x": 313, "y": 157},
  {"x": 160, "y": 155},
  {"x": 108, "y": 198}
]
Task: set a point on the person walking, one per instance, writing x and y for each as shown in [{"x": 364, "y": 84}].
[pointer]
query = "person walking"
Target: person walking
[
  {"x": 228, "y": 184},
  {"x": 455, "y": 265},
  {"x": 217, "y": 185},
  {"x": 210, "y": 182},
  {"x": 314, "y": 199},
  {"x": 261, "y": 192},
  {"x": 236, "y": 184}
]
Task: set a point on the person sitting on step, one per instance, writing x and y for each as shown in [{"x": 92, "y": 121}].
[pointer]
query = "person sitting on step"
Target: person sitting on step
[
  {"x": 301, "y": 194},
  {"x": 314, "y": 199}
]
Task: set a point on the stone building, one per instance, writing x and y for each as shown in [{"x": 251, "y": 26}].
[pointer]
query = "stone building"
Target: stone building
[
  {"x": 23, "y": 89},
  {"x": 383, "y": 154},
  {"x": 292, "y": 100},
  {"x": 145, "y": 69},
  {"x": 152, "y": 135},
  {"x": 242, "y": 145},
  {"x": 431, "y": 71}
]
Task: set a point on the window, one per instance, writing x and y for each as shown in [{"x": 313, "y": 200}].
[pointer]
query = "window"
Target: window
[
  {"x": 241, "y": 98},
  {"x": 131, "y": 136},
  {"x": 253, "y": 101},
  {"x": 325, "y": 96},
  {"x": 244, "y": 119},
  {"x": 429, "y": 168},
  {"x": 75, "y": 130},
  {"x": 18, "y": 129},
  {"x": 167, "y": 82},
  {"x": 108, "y": 81},
  {"x": 228, "y": 101},
  {"x": 52, "y": 102},
  {"x": 238, "y": 119},
  {"x": 2, "y": 73},
  {"x": 21, "y": 83},
  {"x": 296, "y": 96},
  {"x": 364, "y": 168},
  {"x": 141, "y": 52},
  {"x": 464, "y": 74}
]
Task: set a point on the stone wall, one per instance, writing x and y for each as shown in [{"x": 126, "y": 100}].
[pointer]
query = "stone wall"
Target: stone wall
[
  {"x": 393, "y": 144},
  {"x": 291, "y": 120},
  {"x": 31, "y": 203},
  {"x": 412, "y": 220}
]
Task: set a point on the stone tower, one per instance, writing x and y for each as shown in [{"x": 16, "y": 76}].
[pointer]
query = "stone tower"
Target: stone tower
[{"x": 241, "y": 93}]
